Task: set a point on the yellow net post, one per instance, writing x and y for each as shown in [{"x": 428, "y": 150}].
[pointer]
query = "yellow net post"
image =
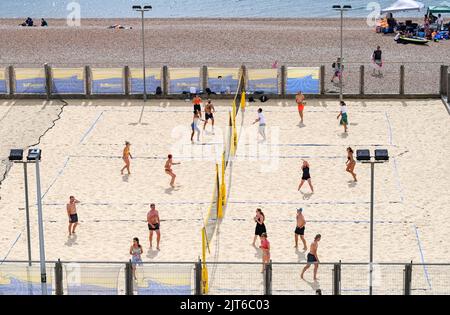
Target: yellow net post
[
  {"x": 234, "y": 129},
  {"x": 232, "y": 146},
  {"x": 205, "y": 286},
  {"x": 243, "y": 100},
  {"x": 219, "y": 195},
  {"x": 223, "y": 187}
]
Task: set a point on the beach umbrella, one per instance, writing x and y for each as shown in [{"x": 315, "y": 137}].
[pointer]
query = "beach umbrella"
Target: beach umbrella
[{"x": 403, "y": 5}]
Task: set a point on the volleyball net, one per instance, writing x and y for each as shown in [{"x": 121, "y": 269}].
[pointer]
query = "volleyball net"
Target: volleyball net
[{"x": 223, "y": 171}]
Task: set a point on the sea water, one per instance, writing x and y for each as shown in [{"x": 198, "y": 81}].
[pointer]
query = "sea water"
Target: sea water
[{"x": 195, "y": 8}]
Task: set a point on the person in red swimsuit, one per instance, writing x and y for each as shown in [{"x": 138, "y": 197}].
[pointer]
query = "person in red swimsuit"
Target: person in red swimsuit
[
  {"x": 300, "y": 100},
  {"x": 265, "y": 247}
]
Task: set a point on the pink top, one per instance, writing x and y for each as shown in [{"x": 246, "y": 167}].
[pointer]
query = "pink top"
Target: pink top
[{"x": 265, "y": 244}]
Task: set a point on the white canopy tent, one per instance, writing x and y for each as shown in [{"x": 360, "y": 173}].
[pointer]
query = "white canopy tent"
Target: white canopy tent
[{"x": 403, "y": 5}]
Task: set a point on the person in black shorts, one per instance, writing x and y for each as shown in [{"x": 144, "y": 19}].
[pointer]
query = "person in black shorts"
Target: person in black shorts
[
  {"x": 260, "y": 226},
  {"x": 306, "y": 176},
  {"x": 313, "y": 257},
  {"x": 300, "y": 228},
  {"x": 197, "y": 101},
  {"x": 209, "y": 114},
  {"x": 153, "y": 223}
]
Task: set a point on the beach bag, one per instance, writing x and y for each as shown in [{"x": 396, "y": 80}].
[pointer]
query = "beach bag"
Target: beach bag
[{"x": 158, "y": 90}]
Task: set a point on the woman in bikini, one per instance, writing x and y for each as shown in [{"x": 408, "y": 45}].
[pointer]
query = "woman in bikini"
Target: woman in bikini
[
  {"x": 351, "y": 163},
  {"x": 265, "y": 247},
  {"x": 126, "y": 158},
  {"x": 260, "y": 226},
  {"x": 300, "y": 100},
  {"x": 306, "y": 176},
  {"x": 168, "y": 169}
]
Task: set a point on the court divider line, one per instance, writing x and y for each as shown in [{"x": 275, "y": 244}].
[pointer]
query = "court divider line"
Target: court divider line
[
  {"x": 91, "y": 127},
  {"x": 61, "y": 171},
  {"x": 422, "y": 256}
]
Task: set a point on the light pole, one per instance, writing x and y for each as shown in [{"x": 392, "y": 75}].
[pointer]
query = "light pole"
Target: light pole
[
  {"x": 381, "y": 156},
  {"x": 34, "y": 156},
  {"x": 16, "y": 156},
  {"x": 143, "y": 9},
  {"x": 342, "y": 9}
]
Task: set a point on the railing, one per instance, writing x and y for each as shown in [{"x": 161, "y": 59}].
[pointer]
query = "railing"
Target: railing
[
  {"x": 225, "y": 278},
  {"x": 358, "y": 79}
]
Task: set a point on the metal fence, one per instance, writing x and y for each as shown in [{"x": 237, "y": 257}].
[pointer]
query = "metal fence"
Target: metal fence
[
  {"x": 225, "y": 278},
  {"x": 358, "y": 79}
]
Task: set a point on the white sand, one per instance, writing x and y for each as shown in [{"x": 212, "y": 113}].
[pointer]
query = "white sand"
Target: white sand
[{"x": 82, "y": 158}]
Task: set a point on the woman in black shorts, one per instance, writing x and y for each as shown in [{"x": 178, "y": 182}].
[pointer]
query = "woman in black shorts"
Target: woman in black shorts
[
  {"x": 306, "y": 176},
  {"x": 260, "y": 226}
]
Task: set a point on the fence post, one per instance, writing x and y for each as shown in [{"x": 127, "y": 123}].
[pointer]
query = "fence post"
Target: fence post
[
  {"x": 128, "y": 278},
  {"x": 322, "y": 79},
  {"x": 268, "y": 279},
  {"x": 448, "y": 88},
  {"x": 443, "y": 80},
  {"x": 126, "y": 71},
  {"x": 165, "y": 80},
  {"x": 245, "y": 77},
  {"x": 198, "y": 277},
  {"x": 337, "y": 279},
  {"x": 402, "y": 80},
  {"x": 361, "y": 80},
  {"x": 11, "y": 80},
  {"x": 48, "y": 80},
  {"x": 283, "y": 80},
  {"x": 407, "y": 277},
  {"x": 204, "y": 78},
  {"x": 58, "y": 278},
  {"x": 88, "y": 80}
]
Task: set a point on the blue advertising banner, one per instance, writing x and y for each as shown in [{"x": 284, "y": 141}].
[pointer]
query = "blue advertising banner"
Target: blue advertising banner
[
  {"x": 3, "y": 81},
  {"x": 30, "y": 81},
  {"x": 303, "y": 79},
  {"x": 152, "y": 80},
  {"x": 68, "y": 81},
  {"x": 107, "y": 81},
  {"x": 184, "y": 80},
  {"x": 223, "y": 80},
  {"x": 265, "y": 80}
]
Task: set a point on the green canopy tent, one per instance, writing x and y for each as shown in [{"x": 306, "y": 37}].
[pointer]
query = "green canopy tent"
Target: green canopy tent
[{"x": 438, "y": 9}]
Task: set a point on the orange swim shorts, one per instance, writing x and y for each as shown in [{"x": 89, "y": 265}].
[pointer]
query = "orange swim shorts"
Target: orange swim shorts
[{"x": 301, "y": 107}]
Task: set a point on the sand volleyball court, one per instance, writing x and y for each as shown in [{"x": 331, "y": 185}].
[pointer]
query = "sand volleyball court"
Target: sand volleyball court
[{"x": 82, "y": 157}]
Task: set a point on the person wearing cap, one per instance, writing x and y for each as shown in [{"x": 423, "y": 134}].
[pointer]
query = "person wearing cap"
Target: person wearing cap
[
  {"x": 126, "y": 155},
  {"x": 300, "y": 229}
]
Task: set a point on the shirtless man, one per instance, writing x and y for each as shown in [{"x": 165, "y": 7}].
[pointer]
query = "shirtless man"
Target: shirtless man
[
  {"x": 300, "y": 100},
  {"x": 313, "y": 258},
  {"x": 72, "y": 214},
  {"x": 153, "y": 225},
  {"x": 168, "y": 169},
  {"x": 209, "y": 110},
  {"x": 300, "y": 228}
]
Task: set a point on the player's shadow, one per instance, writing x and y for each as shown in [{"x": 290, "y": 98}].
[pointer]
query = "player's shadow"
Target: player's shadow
[
  {"x": 152, "y": 253},
  {"x": 300, "y": 254},
  {"x": 351, "y": 184},
  {"x": 315, "y": 285},
  {"x": 301, "y": 125},
  {"x": 125, "y": 177},
  {"x": 306, "y": 196},
  {"x": 71, "y": 240},
  {"x": 258, "y": 252},
  {"x": 344, "y": 135}
]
